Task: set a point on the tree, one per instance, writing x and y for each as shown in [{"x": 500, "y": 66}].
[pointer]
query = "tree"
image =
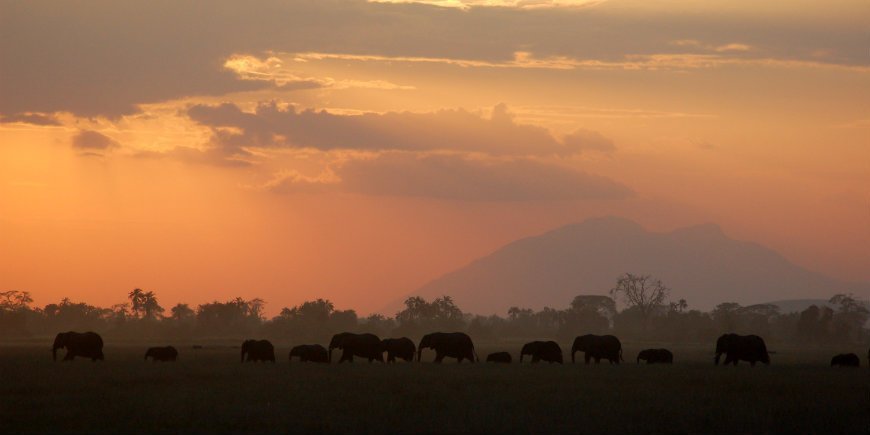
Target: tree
[
  {"x": 641, "y": 292},
  {"x": 588, "y": 314},
  {"x": 679, "y": 306},
  {"x": 726, "y": 315},
  {"x": 14, "y": 300},
  {"x": 441, "y": 313},
  {"x": 14, "y": 310},
  {"x": 145, "y": 304},
  {"x": 850, "y": 318},
  {"x": 808, "y": 324},
  {"x": 182, "y": 313}
]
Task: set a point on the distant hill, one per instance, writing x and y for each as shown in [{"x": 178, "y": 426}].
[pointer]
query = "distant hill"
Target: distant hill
[{"x": 699, "y": 263}]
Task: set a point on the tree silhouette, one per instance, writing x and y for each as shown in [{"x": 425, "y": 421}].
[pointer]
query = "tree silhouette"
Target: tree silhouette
[
  {"x": 641, "y": 292},
  {"x": 145, "y": 304}
]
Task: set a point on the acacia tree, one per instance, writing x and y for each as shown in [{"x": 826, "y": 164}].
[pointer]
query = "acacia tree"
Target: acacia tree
[{"x": 641, "y": 292}]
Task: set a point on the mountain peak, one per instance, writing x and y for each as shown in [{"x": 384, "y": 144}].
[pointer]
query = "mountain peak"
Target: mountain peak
[{"x": 699, "y": 263}]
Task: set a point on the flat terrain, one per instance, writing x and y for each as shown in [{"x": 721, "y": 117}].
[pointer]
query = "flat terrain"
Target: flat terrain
[{"x": 209, "y": 391}]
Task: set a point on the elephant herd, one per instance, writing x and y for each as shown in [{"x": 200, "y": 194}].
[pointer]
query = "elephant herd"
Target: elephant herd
[{"x": 457, "y": 345}]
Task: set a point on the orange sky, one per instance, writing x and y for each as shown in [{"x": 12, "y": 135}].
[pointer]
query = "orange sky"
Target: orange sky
[{"x": 355, "y": 150}]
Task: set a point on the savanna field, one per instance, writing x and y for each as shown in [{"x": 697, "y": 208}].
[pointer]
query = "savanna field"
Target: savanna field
[{"x": 209, "y": 391}]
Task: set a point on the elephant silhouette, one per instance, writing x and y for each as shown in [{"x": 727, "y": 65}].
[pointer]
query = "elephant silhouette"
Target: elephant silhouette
[
  {"x": 398, "y": 348},
  {"x": 448, "y": 344},
  {"x": 309, "y": 352},
  {"x": 166, "y": 353},
  {"x": 499, "y": 357},
  {"x": 362, "y": 345},
  {"x": 845, "y": 360},
  {"x": 656, "y": 356},
  {"x": 258, "y": 350},
  {"x": 548, "y": 351},
  {"x": 741, "y": 347},
  {"x": 83, "y": 344},
  {"x": 598, "y": 347}
]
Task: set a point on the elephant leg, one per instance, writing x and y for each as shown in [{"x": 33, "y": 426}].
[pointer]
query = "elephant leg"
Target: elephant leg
[
  {"x": 438, "y": 357},
  {"x": 752, "y": 363},
  {"x": 346, "y": 355},
  {"x": 597, "y": 360},
  {"x": 69, "y": 356},
  {"x": 587, "y": 357}
]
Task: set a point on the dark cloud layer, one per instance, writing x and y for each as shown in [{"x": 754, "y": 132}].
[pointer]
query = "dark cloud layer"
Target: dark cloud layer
[
  {"x": 93, "y": 141},
  {"x": 456, "y": 130},
  {"x": 456, "y": 177},
  {"x": 103, "y": 57},
  {"x": 29, "y": 118}
]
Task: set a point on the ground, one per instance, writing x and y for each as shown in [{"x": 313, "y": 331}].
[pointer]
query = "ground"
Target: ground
[{"x": 209, "y": 391}]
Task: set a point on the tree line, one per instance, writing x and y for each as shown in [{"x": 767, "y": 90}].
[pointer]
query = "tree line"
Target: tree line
[{"x": 647, "y": 314}]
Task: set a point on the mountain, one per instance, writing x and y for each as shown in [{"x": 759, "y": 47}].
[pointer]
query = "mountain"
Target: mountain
[{"x": 699, "y": 263}]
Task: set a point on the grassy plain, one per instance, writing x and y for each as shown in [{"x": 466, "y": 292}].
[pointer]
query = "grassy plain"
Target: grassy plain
[{"x": 209, "y": 391}]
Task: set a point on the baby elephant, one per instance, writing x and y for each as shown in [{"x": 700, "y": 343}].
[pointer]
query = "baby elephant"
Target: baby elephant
[
  {"x": 167, "y": 353},
  {"x": 499, "y": 357},
  {"x": 548, "y": 351},
  {"x": 310, "y": 352},
  {"x": 845, "y": 360},
  {"x": 655, "y": 356}
]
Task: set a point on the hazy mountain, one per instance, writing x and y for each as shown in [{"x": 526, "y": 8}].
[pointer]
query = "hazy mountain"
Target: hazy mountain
[{"x": 699, "y": 263}]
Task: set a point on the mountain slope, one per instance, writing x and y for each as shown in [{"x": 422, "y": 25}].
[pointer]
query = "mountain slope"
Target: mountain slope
[{"x": 699, "y": 263}]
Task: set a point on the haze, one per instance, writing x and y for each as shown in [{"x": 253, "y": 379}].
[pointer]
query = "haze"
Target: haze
[{"x": 357, "y": 150}]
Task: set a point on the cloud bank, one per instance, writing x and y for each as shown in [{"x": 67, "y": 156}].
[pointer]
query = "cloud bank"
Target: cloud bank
[
  {"x": 104, "y": 58},
  {"x": 456, "y": 177}
]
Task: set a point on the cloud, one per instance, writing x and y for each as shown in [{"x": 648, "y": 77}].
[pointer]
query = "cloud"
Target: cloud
[
  {"x": 61, "y": 56},
  {"x": 456, "y": 177},
  {"x": 30, "y": 118},
  {"x": 455, "y": 130},
  {"x": 90, "y": 142},
  {"x": 589, "y": 140}
]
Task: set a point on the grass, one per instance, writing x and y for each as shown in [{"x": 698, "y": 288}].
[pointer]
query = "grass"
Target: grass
[{"x": 209, "y": 391}]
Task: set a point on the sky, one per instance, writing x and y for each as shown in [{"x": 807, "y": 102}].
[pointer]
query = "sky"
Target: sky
[{"x": 355, "y": 150}]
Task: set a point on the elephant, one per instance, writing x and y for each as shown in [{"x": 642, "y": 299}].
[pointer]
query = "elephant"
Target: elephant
[
  {"x": 845, "y": 360},
  {"x": 309, "y": 352},
  {"x": 361, "y": 345},
  {"x": 741, "y": 347},
  {"x": 167, "y": 353},
  {"x": 448, "y": 344},
  {"x": 655, "y": 356},
  {"x": 548, "y": 351},
  {"x": 84, "y": 344},
  {"x": 398, "y": 348},
  {"x": 258, "y": 350},
  {"x": 499, "y": 357},
  {"x": 598, "y": 347}
]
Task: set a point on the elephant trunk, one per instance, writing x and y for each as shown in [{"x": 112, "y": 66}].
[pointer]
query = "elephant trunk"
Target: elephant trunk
[
  {"x": 419, "y": 353},
  {"x": 638, "y": 359},
  {"x": 521, "y": 357},
  {"x": 716, "y": 359},
  {"x": 330, "y": 353},
  {"x": 54, "y": 353},
  {"x": 573, "y": 352}
]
